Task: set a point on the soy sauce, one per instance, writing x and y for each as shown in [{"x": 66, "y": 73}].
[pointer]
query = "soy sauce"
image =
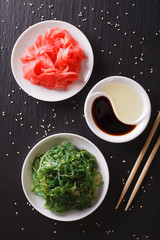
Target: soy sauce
[{"x": 105, "y": 118}]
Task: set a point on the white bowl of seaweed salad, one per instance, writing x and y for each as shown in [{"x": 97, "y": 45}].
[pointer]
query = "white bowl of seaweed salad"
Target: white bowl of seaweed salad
[{"x": 65, "y": 177}]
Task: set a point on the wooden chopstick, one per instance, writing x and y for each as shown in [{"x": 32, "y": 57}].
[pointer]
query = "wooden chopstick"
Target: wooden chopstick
[
  {"x": 143, "y": 173},
  {"x": 139, "y": 160}
]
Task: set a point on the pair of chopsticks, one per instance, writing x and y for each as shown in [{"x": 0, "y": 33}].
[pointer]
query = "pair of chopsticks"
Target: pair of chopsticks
[{"x": 137, "y": 163}]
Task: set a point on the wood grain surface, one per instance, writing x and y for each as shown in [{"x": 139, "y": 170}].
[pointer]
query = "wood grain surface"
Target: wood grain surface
[{"x": 125, "y": 37}]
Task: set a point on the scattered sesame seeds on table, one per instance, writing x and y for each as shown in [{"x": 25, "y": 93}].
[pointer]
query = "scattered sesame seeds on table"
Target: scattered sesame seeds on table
[{"x": 125, "y": 37}]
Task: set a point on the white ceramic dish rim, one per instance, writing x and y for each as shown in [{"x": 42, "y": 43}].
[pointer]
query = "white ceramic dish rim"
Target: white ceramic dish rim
[
  {"x": 110, "y": 138},
  {"x": 40, "y": 92},
  {"x": 77, "y": 214}
]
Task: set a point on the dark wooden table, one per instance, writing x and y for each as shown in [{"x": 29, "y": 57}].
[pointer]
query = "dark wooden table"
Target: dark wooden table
[{"x": 125, "y": 36}]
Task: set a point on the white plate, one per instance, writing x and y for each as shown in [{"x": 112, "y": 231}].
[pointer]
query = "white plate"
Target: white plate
[
  {"x": 44, "y": 145},
  {"x": 27, "y": 39}
]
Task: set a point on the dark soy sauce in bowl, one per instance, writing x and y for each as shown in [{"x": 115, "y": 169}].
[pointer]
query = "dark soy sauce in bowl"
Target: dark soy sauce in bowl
[{"x": 106, "y": 120}]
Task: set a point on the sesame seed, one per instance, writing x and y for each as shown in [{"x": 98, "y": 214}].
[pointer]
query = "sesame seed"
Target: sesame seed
[{"x": 51, "y": 6}]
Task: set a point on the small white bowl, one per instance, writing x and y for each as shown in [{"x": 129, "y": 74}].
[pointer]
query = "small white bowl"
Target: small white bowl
[
  {"x": 96, "y": 92},
  {"x": 44, "y": 145},
  {"x": 27, "y": 38}
]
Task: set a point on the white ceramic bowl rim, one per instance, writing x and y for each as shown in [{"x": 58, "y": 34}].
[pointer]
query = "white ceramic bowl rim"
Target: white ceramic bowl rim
[
  {"x": 140, "y": 126},
  {"x": 45, "y": 144}
]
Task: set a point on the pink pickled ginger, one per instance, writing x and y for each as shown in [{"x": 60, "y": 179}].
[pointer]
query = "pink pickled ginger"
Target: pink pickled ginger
[{"x": 54, "y": 60}]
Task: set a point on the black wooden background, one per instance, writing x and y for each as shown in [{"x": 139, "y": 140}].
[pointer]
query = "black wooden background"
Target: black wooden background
[{"x": 125, "y": 36}]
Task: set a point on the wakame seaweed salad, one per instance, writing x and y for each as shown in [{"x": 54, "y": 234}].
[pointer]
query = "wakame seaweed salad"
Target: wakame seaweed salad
[{"x": 66, "y": 177}]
